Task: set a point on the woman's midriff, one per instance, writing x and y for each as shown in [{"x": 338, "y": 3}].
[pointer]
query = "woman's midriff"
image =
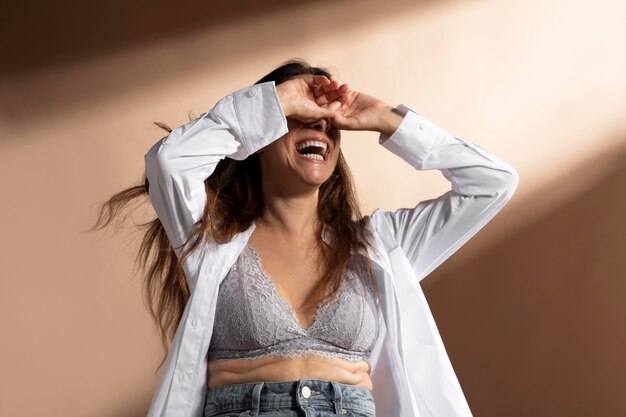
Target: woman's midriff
[{"x": 274, "y": 368}]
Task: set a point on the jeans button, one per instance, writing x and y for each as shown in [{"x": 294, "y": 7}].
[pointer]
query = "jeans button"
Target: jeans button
[{"x": 306, "y": 392}]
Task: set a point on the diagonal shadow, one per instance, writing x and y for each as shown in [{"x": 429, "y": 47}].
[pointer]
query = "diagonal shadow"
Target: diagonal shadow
[
  {"x": 58, "y": 34},
  {"x": 535, "y": 323},
  {"x": 90, "y": 53}
]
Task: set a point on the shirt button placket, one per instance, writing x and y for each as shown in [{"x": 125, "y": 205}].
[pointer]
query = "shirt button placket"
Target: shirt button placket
[{"x": 184, "y": 377}]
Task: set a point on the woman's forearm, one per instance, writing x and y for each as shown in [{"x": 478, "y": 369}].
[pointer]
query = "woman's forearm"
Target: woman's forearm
[{"x": 389, "y": 121}]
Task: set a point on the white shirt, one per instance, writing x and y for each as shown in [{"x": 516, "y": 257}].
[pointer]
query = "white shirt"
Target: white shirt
[{"x": 410, "y": 370}]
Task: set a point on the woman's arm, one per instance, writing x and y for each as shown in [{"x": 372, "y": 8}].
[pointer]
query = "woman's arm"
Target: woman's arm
[
  {"x": 481, "y": 184},
  {"x": 177, "y": 165}
]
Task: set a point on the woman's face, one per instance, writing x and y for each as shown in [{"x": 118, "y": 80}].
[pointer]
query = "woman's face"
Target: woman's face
[{"x": 284, "y": 164}]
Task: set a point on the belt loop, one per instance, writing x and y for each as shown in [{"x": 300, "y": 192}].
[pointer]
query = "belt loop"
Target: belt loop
[
  {"x": 337, "y": 397},
  {"x": 256, "y": 398}
]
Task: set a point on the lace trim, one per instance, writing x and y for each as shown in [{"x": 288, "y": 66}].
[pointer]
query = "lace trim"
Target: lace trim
[
  {"x": 295, "y": 355},
  {"x": 272, "y": 285},
  {"x": 286, "y": 351}
]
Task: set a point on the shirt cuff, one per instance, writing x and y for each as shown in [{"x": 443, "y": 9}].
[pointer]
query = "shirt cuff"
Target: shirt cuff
[
  {"x": 260, "y": 114},
  {"x": 414, "y": 138}
]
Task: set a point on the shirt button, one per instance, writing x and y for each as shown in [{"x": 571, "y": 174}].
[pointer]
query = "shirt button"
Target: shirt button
[
  {"x": 195, "y": 323},
  {"x": 421, "y": 126},
  {"x": 252, "y": 93},
  {"x": 183, "y": 377},
  {"x": 306, "y": 392}
]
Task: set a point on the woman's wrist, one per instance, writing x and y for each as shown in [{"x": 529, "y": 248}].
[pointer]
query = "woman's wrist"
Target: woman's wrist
[
  {"x": 390, "y": 120},
  {"x": 284, "y": 101}
]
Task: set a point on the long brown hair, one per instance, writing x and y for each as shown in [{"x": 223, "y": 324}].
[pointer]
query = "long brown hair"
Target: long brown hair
[{"x": 234, "y": 201}]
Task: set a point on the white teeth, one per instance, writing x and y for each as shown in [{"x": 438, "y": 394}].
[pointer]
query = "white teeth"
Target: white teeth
[
  {"x": 306, "y": 143},
  {"x": 314, "y": 156}
]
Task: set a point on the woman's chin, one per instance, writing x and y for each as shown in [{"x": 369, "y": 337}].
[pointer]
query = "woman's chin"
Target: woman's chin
[{"x": 314, "y": 179}]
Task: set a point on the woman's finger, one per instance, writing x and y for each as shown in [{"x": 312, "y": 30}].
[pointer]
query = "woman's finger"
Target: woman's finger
[
  {"x": 340, "y": 92},
  {"x": 315, "y": 80},
  {"x": 334, "y": 92},
  {"x": 309, "y": 111},
  {"x": 324, "y": 87}
]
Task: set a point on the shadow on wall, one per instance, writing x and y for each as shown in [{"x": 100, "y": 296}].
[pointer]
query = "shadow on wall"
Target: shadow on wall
[
  {"x": 89, "y": 29},
  {"x": 535, "y": 324},
  {"x": 83, "y": 56}
]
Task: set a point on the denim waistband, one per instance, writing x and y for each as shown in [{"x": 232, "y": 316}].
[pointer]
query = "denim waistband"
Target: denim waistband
[{"x": 311, "y": 393}]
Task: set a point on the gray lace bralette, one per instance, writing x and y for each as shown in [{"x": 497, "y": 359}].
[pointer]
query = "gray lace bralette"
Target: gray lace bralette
[{"x": 252, "y": 319}]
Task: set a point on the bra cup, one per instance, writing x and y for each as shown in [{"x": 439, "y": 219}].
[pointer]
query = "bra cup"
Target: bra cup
[
  {"x": 350, "y": 320},
  {"x": 246, "y": 317}
]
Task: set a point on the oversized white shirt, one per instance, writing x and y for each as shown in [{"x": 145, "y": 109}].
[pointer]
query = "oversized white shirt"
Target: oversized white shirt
[{"x": 410, "y": 370}]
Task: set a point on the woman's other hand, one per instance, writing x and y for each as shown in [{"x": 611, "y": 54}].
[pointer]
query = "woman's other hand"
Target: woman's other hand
[
  {"x": 359, "y": 111},
  {"x": 308, "y": 98}
]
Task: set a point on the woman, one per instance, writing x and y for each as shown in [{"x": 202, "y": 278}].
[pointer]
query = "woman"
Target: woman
[{"x": 278, "y": 297}]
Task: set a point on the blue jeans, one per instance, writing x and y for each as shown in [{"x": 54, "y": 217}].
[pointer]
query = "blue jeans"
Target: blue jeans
[{"x": 307, "y": 397}]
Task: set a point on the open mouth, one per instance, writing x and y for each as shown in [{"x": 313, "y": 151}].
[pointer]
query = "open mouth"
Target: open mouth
[{"x": 313, "y": 149}]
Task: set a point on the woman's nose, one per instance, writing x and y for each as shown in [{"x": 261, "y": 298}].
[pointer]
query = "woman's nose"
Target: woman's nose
[{"x": 321, "y": 124}]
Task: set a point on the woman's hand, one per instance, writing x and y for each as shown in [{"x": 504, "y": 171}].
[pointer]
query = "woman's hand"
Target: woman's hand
[
  {"x": 359, "y": 111},
  {"x": 311, "y": 97}
]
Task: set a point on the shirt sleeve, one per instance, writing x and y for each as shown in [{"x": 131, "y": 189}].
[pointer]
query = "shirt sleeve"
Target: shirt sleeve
[
  {"x": 177, "y": 165},
  {"x": 481, "y": 184}
]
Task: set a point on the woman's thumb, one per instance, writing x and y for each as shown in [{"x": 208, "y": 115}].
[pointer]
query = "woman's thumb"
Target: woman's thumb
[
  {"x": 328, "y": 110},
  {"x": 334, "y": 106}
]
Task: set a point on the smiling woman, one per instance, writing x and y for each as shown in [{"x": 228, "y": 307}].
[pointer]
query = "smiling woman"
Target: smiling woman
[{"x": 277, "y": 295}]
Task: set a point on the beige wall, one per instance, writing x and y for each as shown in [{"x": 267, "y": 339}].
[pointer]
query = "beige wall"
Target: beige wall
[{"x": 531, "y": 309}]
